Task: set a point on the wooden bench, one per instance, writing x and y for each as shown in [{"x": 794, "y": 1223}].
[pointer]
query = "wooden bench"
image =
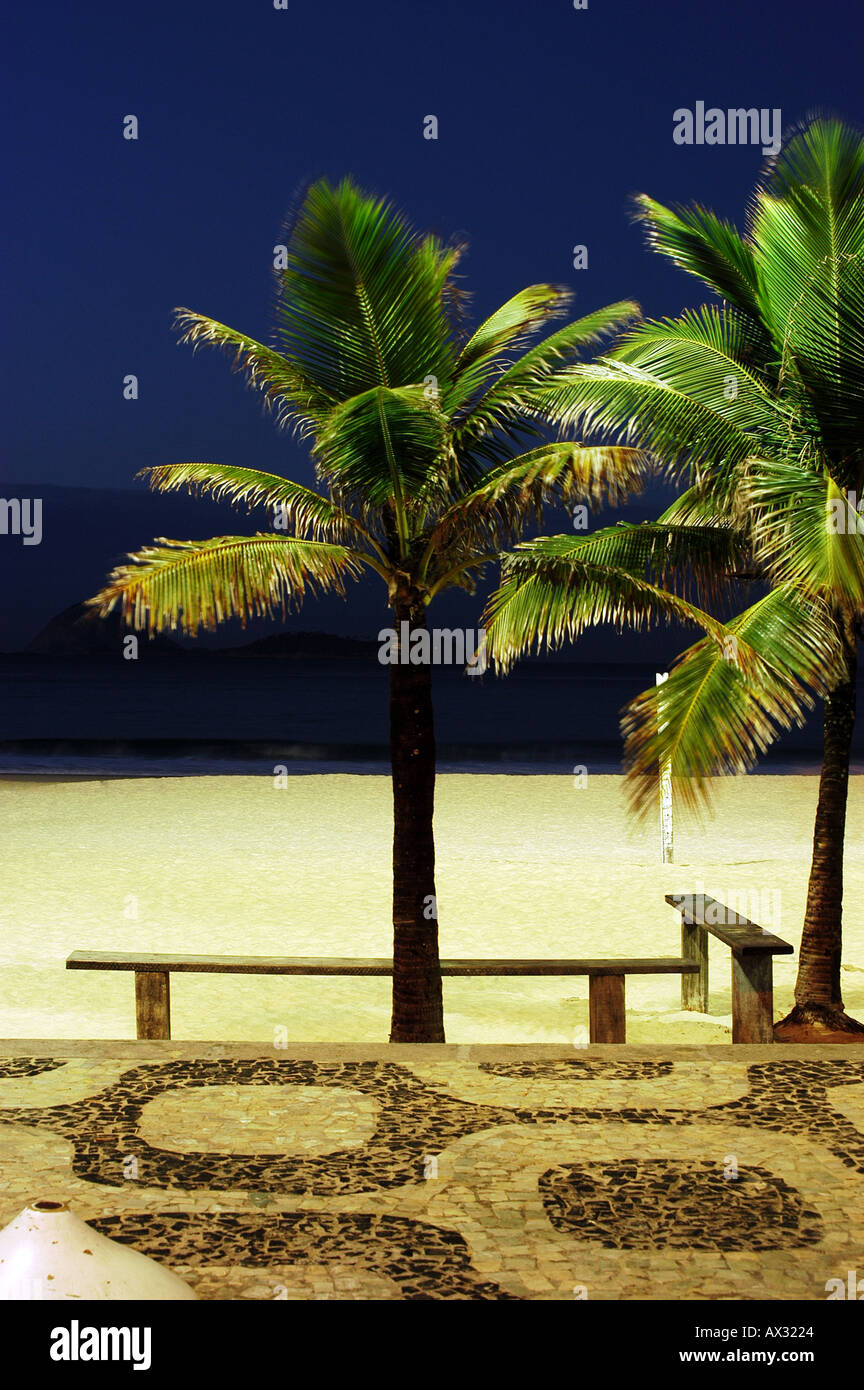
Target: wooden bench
[
  {"x": 752, "y": 973},
  {"x": 753, "y": 950},
  {"x": 606, "y": 1008}
]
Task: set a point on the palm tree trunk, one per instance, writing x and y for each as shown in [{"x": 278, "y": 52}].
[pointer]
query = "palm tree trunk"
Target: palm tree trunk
[
  {"x": 418, "y": 1007},
  {"x": 818, "y": 998}
]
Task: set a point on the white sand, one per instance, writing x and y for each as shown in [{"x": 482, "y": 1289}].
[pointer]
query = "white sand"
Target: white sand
[{"x": 526, "y": 866}]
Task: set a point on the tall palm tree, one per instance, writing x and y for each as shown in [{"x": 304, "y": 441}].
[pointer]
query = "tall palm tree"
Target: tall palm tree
[
  {"x": 758, "y": 404},
  {"x": 430, "y": 446}
]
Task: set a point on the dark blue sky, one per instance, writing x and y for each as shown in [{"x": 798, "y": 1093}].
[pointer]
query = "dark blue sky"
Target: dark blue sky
[{"x": 549, "y": 120}]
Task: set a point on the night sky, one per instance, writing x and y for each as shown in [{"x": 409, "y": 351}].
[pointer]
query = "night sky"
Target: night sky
[{"x": 550, "y": 119}]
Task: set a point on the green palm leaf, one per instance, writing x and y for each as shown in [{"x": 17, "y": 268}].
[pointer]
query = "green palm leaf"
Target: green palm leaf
[
  {"x": 805, "y": 531},
  {"x": 706, "y": 354},
  {"x": 527, "y": 387},
  {"x": 307, "y": 511},
  {"x": 493, "y": 513},
  {"x": 706, "y": 246},
  {"x": 509, "y": 329},
  {"x": 190, "y": 585},
  {"x": 294, "y": 398},
  {"x": 555, "y": 587},
  {"x": 382, "y": 447},
  {"x": 641, "y": 409},
  {"x": 362, "y": 301},
  {"x": 712, "y": 501},
  {"x": 808, "y": 230},
  {"x": 561, "y": 471},
  {"x": 724, "y": 704}
]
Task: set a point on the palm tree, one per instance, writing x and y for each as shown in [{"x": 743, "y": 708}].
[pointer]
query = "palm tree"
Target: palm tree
[
  {"x": 430, "y": 446},
  {"x": 758, "y": 404}
]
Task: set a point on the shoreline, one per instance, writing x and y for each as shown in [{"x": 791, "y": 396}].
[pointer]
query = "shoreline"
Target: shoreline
[{"x": 169, "y": 769}]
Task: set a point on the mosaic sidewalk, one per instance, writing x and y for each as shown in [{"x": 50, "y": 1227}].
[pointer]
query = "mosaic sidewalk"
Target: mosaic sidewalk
[{"x": 451, "y": 1172}]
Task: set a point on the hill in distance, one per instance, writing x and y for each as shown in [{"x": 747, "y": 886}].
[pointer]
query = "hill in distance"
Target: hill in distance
[
  {"x": 79, "y": 631},
  {"x": 316, "y": 646}
]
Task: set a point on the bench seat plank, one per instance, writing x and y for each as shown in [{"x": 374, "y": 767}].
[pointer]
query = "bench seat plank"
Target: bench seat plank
[
  {"x": 315, "y": 965},
  {"x": 734, "y": 931}
]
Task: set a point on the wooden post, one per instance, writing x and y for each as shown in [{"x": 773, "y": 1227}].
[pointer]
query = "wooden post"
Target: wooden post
[
  {"x": 607, "y": 1021},
  {"x": 694, "y": 946},
  {"x": 153, "y": 1003},
  {"x": 666, "y": 832},
  {"x": 752, "y": 997}
]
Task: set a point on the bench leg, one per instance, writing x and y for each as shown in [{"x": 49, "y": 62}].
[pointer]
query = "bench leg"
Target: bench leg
[
  {"x": 752, "y": 997},
  {"x": 694, "y": 946},
  {"x": 153, "y": 1003},
  {"x": 607, "y": 1023}
]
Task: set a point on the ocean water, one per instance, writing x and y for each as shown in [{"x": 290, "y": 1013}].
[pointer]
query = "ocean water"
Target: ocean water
[{"x": 213, "y": 714}]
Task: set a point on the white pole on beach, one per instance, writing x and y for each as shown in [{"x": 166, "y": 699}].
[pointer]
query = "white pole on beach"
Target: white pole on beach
[{"x": 666, "y": 842}]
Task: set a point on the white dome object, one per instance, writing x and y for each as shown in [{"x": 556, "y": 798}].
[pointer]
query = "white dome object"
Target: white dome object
[{"x": 47, "y": 1252}]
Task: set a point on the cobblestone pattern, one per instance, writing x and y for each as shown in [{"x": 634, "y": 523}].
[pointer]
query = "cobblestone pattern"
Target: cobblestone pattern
[{"x": 452, "y": 1176}]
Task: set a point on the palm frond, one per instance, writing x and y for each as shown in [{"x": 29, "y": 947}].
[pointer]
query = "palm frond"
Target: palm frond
[
  {"x": 509, "y": 329},
  {"x": 294, "y": 398},
  {"x": 808, "y": 229},
  {"x": 190, "y": 585},
  {"x": 714, "y": 500},
  {"x": 705, "y": 246},
  {"x": 707, "y": 354},
  {"x": 555, "y": 587},
  {"x": 308, "y": 513},
  {"x": 641, "y": 409},
  {"x": 724, "y": 704},
  {"x": 525, "y": 391},
  {"x": 561, "y": 471},
  {"x": 383, "y": 446},
  {"x": 806, "y": 531},
  {"x": 493, "y": 514},
  {"x": 363, "y": 299}
]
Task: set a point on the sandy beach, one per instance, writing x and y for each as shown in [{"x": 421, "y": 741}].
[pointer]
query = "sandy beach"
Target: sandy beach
[{"x": 527, "y": 865}]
